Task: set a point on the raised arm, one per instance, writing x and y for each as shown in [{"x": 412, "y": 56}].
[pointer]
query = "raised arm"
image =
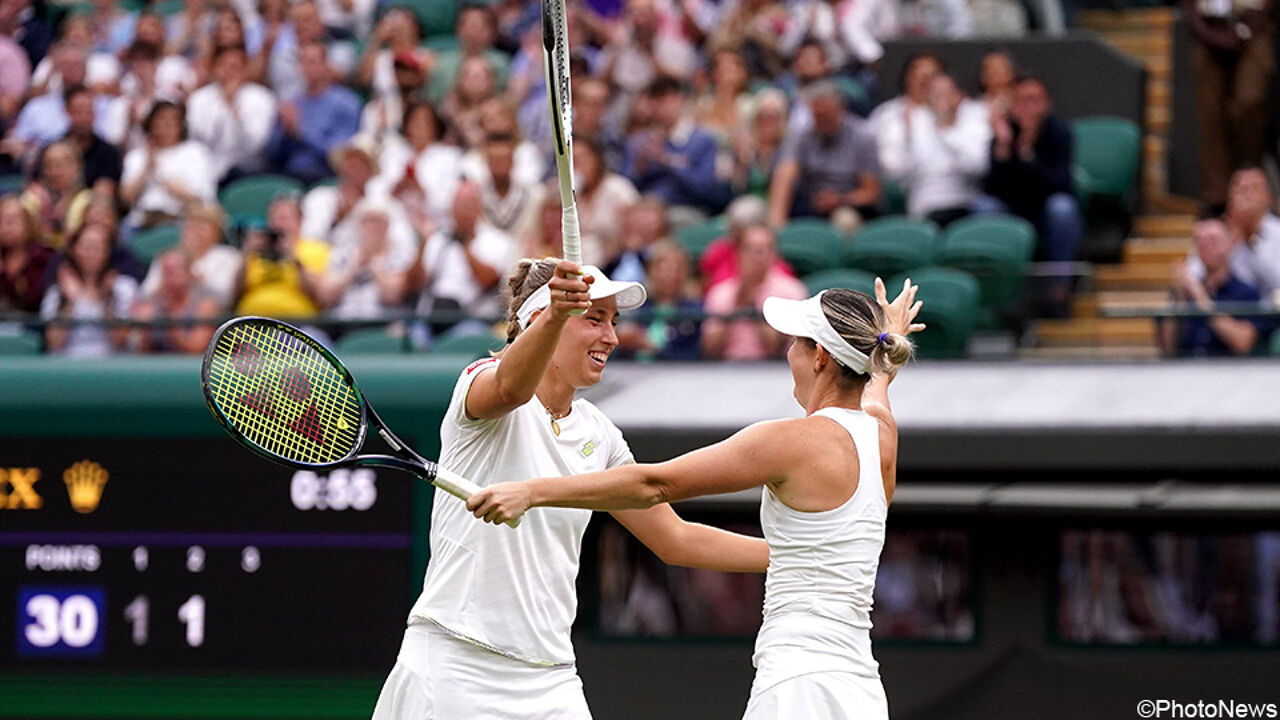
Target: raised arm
[{"x": 525, "y": 361}]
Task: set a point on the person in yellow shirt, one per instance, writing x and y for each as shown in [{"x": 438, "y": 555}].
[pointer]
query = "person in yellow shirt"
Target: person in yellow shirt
[{"x": 281, "y": 266}]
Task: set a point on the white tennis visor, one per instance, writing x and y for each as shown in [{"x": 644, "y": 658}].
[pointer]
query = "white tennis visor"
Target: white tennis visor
[
  {"x": 630, "y": 295},
  {"x": 804, "y": 318}
]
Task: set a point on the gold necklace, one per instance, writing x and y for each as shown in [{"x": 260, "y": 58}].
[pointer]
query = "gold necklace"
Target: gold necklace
[{"x": 556, "y": 417}]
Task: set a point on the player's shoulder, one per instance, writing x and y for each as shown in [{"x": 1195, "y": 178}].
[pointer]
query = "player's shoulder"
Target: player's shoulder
[{"x": 479, "y": 366}]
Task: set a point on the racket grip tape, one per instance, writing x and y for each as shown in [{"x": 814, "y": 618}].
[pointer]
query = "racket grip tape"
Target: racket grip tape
[
  {"x": 460, "y": 487},
  {"x": 571, "y": 238}
]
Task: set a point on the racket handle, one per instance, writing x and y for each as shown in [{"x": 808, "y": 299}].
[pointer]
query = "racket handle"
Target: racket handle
[
  {"x": 460, "y": 487},
  {"x": 571, "y": 239}
]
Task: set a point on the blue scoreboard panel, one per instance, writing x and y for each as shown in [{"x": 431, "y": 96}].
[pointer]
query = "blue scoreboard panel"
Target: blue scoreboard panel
[{"x": 193, "y": 554}]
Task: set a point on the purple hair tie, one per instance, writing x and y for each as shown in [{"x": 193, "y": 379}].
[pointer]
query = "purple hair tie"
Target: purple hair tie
[{"x": 884, "y": 338}]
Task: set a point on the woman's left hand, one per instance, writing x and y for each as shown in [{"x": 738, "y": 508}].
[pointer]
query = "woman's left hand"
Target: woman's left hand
[
  {"x": 902, "y": 310},
  {"x": 500, "y": 503}
]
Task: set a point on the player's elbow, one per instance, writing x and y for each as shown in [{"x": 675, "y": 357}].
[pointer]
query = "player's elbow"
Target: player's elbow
[{"x": 652, "y": 490}]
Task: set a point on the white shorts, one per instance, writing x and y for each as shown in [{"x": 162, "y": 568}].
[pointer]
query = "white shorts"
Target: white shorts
[
  {"x": 439, "y": 677},
  {"x": 825, "y": 694}
]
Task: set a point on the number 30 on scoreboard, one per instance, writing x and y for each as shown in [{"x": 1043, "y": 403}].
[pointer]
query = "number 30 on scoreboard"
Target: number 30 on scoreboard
[{"x": 60, "y": 621}]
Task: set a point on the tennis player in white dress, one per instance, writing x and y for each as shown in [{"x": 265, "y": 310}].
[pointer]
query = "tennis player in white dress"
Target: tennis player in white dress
[
  {"x": 489, "y": 636},
  {"x": 828, "y": 479}
]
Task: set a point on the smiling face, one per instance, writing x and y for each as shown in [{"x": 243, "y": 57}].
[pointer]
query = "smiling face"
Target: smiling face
[{"x": 586, "y": 344}]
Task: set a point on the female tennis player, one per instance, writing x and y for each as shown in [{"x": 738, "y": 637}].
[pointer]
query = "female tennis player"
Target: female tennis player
[
  {"x": 828, "y": 477},
  {"x": 489, "y": 636}
]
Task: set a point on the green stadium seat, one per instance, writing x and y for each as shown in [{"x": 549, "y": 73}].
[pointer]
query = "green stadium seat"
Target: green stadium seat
[
  {"x": 475, "y": 346},
  {"x": 890, "y": 245},
  {"x": 696, "y": 238},
  {"x": 251, "y": 196},
  {"x": 370, "y": 341},
  {"x": 1275, "y": 343},
  {"x": 435, "y": 17},
  {"x": 23, "y": 343},
  {"x": 895, "y": 198},
  {"x": 148, "y": 244},
  {"x": 810, "y": 245},
  {"x": 996, "y": 250},
  {"x": 1107, "y": 151},
  {"x": 440, "y": 43},
  {"x": 11, "y": 184},
  {"x": 840, "y": 278},
  {"x": 950, "y": 309}
]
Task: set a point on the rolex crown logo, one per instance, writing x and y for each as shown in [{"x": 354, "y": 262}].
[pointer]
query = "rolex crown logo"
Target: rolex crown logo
[{"x": 85, "y": 481}]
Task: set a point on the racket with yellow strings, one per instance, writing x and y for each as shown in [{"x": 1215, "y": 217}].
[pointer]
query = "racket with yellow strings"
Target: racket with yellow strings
[{"x": 280, "y": 393}]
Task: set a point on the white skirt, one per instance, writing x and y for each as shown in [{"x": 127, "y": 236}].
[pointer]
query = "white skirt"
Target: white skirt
[
  {"x": 825, "y": 694},
  {"x": 439, "y": 677}
]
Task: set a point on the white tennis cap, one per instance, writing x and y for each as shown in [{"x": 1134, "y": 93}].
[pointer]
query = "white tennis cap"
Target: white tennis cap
[
  {"x": 805, "y": 318},
  {"x": 630, "y": 295}
]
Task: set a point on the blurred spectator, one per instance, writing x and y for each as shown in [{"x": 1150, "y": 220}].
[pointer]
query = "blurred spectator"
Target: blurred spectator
[
  {"x": 346, "y": 18},
  {"x": 676, "y": 159},
  {"x": 510, "y": 206},
  {"x": 464, "y": 105},
  {"x": 999, "y": 18},
  {"x": 166, "y": 174},
  {"x": 315, "y": 121},
  {"x": 149, "y": 77},
  {"x": 282, "y": 269},
  {"x": 327, "y": 210},
  {"x": 418, "y": 167},
  {"x": 187, "y": 29},
  {"x": 720, "y": 260},
  {"x": 649, "y": 43},
  {"x": 392, "y": 58},
  {"x": 1255, "y": 257},
  {"x": 228, "y": 31},
  {"x": 215, "y": 266},
  {"x": 809, "y": 66},
  {"x": 460, "y": 269},
  {"x": 476, "y": 31},
  {"x": 865, "y": 25},
  {"x": 100, "y": 160},
  {"x": 20, "y": 22},
  {"x": 366, "y": 279},
  {"x": 88, "y": 288},
  {"x": 748, "y": 338},
  {"x": 383, "y": 114},
  {"x": 57, "y": 200},
  {"x": 814, "y": 22},
  {"x": 1031, "y": 155},
  {"x": 284, "y": 46},
  {"x": 546, "y": 237},
  {"x": 14, "y": 80},
  {"x": 758, "y": 150},
  {"x": 112, "y": 26},
  {"x": 44, "y": 118},
  {"x": 935, "y": 19},
  {"x": 178, "y": 296},
  {"x": 603, "y": 198},
  {"x": 643, "y": 224},
  {"x": 913, "y": 85},
  {"x": 832, "y": 165},
  {"x": 592, "y": 118},
  {"x": 753, "y": 29},
  {"x": 666, "y": 327},
  {"x": 724, "y": 108},
  {"x": 232, "y": 117},
  {"x": 23, "y": 258},
  {"x": 996, "y": 73},
  {"x": 102, "y": 211},
  {"x": 1234, "y": 57},
  {"x": 74, "y": 61},
  {"x": 1218, "y": 334},
  {"x": 498, "y": 117},
  {"x": 938, "y": 153}
]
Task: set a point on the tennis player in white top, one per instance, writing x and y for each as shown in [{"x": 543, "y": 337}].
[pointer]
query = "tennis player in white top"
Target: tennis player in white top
[
  {"x": 828, "y": 479},
  {"x": 489, "y": 636}
]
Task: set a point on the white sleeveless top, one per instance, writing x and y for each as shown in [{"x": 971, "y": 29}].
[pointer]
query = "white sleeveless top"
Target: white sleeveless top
[
  {"x": 822, "y": 571},
  {"x": 512, "y": 591}
]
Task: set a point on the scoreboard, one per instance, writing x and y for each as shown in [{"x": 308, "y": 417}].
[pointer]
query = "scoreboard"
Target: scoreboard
[{"x": 177, "y": 554}]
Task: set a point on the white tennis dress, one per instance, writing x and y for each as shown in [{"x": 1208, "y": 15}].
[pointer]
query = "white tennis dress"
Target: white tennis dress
[
  {"x": 813, "y": 654},
  {"x": 489, "y": 635}
]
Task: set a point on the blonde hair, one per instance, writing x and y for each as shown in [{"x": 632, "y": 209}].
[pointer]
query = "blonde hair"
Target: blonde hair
[
  {"x": 858, "y": 318},
  {"x": 529, "y": 275}
]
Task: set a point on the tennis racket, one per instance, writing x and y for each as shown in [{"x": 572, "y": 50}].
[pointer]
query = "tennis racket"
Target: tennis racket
[
  {"x": 281, "y": 394},
  {"x": 555, "y": 61}
]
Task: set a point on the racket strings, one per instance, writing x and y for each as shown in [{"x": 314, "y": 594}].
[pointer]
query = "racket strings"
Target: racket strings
[{"x": 283, "y": 395}]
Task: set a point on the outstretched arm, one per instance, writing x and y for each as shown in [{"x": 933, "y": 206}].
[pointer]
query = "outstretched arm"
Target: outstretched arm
[
  {"x": 757, "y": 455},
  {"x": 678, "y": 542}
]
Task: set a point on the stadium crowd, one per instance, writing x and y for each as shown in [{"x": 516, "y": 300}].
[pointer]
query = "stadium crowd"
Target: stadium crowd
[{"x": 402, "y": 168}]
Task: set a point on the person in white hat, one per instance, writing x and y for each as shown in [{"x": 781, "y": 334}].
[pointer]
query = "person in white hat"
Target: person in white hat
[
  {"x": 489, "y": 636},
  {"x": 828, "y": 479}
]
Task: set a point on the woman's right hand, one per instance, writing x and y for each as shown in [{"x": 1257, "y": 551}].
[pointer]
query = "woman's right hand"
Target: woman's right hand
[
  {"x": 570, "y": 290},
  {"x": 902, "y": 310}
]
